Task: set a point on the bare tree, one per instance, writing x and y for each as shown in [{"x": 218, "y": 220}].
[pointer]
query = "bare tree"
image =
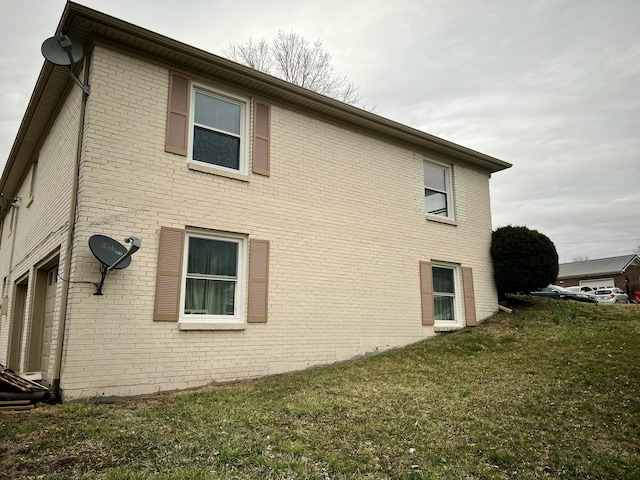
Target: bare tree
[
  {"x": 637, "y": 249},
  {"x": 292, "y": 58},
  {"x": 254, "y": 55}
]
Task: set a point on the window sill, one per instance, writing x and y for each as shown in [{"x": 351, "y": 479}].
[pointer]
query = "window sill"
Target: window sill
[
  {"x": 447, "y": 328},
  {"x": 446, "y": 221},
  {"x": 200, "y": 167},
  {"x": 211, "y": 326}
]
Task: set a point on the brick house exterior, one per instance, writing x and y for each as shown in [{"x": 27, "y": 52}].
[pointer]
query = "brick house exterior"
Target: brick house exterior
[
  {"x": 324, "y": 233},
  {"x": 621, "y": 271}
]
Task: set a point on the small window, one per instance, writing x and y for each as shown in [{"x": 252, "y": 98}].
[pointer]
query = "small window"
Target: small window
[
  {"x": 217, "y": 135},
  {"x": 437, "y": 190},
  {"x": 214, "y": 278}
]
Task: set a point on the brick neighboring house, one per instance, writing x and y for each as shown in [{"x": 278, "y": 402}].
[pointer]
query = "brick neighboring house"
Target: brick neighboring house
[
  {"x": 603, "y": 272},
  {"x": 280, "y": 229}
]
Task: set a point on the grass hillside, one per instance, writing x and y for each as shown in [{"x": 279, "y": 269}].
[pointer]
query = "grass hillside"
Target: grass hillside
[{"x": 549, "y": 391}]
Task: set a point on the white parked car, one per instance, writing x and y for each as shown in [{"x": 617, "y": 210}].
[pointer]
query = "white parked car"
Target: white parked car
[
  {"x": 580, "y": 289},
  {"x": 583, "y": 291},
  {"x": 611, "y": 295}
]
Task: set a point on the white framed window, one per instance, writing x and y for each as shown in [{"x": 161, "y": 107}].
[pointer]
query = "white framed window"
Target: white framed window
[
  {"x": 214, "y": 278},
  {"x": 447, "y": 306},
  {"x": 218, "y": 130},
  {"x": 438, "y": 189}
]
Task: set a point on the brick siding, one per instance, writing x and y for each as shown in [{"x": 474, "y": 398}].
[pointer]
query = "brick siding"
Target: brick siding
[{"x": 343, "y": 212}]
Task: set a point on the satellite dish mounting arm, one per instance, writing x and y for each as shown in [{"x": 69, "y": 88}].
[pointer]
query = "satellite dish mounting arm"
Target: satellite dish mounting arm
[
  {"x": 136, "y": 243},
  {"x": 67, "y": 46}
]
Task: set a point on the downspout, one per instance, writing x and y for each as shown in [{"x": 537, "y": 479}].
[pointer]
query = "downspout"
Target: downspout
[
  {"x": 66, "y": 268},
  {"x": 13, "y": 226}
]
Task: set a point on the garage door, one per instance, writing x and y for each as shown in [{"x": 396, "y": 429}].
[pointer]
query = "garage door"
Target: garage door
[{"x": 598, "y": 283}]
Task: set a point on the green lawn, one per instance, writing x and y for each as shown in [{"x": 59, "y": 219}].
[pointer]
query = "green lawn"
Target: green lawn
[{"x": 550, "y": 391}]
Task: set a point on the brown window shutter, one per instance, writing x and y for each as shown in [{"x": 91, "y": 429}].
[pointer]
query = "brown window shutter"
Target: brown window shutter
[
  {"x": 261, "y": 135},
  {"x": 426, "y": 293},
  {"x": 178, "y": 114},
  {"x": 169, "y": 276},
  {"x": 258, "y": 281},
  {"x": 469, "y": 297}
]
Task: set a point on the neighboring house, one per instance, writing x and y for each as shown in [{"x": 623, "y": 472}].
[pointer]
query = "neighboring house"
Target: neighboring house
[
  {"x": 602, "y": 273},
  {"x": 280, "y": 229}
]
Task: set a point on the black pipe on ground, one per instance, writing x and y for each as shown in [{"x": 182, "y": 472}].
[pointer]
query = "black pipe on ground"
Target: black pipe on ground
[{"x": 38, "y": 396}]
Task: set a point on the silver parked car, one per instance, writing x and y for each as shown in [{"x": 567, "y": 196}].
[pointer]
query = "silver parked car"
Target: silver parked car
[{"x": 611, "y": 295}]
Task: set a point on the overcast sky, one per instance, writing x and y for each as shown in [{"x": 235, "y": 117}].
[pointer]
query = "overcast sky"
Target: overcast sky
[{"x": 552, "y": 87}]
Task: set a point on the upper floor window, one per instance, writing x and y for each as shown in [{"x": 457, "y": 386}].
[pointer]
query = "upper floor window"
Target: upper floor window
[
  {"x": 437, "y": 189},
  {"x": 218, "y": 130},
  {"x": 211, "y": 128}
]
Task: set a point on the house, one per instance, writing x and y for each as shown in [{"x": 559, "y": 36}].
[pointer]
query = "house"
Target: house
[
  {"x": 278, "y": 229},
  {"x": 602, "y": 273}
]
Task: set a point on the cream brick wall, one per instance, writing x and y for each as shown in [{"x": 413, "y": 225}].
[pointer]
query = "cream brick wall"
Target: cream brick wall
[
  {"x": 42, "y": 223},
  {"x": 344, "y": 214}
]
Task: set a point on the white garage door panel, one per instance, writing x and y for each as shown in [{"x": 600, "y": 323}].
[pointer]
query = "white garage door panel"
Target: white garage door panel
[{"x": 598, "y": 283}]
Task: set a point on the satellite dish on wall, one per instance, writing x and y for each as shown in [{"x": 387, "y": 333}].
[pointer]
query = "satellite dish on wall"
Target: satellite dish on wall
[
  {"x": 112, "y": 254},
  {"x": 108, "y": 251},
  {"x": 61, "y": 51},
  {"x": 64, "y": 52}
]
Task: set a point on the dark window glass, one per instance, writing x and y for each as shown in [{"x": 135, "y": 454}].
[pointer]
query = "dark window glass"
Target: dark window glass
[
  {"x": 216, "y": 148},
  {"x": 443, "y": 280},
  {"x": 212, "y": 257}
]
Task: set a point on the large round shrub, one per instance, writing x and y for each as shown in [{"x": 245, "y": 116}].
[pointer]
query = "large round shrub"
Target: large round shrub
[{"x": 524, "y": 260}]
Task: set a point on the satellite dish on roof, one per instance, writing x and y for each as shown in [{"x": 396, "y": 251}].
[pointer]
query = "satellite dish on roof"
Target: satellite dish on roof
[
  {"x": 61, "y": 50},
  {"x": 112, "y": 254}
]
